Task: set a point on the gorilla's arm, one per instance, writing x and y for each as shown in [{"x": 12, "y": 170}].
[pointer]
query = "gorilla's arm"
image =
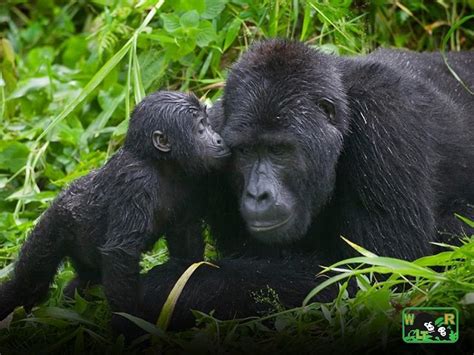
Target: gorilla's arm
[
  {"x": 228, "y": 290},
  {"x": 385, "y": 196}
]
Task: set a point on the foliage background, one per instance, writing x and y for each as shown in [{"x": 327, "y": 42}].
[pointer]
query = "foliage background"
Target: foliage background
[{"x": 70, "y": 73}]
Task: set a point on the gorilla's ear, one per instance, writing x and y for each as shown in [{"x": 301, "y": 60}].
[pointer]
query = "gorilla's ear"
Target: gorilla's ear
[
  {"x": 161, "y": 142},
  {"x": 328, "y": 107}
]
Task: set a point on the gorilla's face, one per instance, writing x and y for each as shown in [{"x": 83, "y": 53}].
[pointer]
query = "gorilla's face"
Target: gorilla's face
[{"x": 286, "y": 140}]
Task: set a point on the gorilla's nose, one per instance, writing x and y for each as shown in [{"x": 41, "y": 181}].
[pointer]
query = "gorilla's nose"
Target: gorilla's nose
[
  {"x": 262, "y": 210},
  {"x": 258, "y": 200}
]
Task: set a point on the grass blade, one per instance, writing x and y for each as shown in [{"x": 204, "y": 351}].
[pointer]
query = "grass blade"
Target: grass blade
[
  {"x": 359, "y": 249},
  {"x": 168, "y": 308}
]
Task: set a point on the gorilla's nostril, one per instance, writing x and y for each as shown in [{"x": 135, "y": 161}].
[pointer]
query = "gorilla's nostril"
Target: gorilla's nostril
[
  {"x": 263, "y": 196},
  {"x": 250, "y": 195},
  {"x": 219, "y": 141}
]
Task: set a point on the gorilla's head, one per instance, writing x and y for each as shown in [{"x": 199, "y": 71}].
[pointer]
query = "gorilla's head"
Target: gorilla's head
[{"x": 285, "y": 115}]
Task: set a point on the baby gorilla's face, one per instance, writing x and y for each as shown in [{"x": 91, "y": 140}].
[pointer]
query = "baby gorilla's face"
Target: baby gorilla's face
[
  {"x": 180, "y": 131},
  {"x": 209, "y": 144}
]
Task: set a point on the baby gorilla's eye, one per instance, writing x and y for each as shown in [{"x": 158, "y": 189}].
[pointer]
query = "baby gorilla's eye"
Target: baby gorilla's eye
[{"x": 201, "y": 127}]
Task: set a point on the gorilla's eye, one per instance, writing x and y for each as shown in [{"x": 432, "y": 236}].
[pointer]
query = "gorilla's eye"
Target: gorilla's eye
[
  {"x": 243, "y": 150},
  {"x": 277, "y": 150},
  {"x": 329, "y": 109}
]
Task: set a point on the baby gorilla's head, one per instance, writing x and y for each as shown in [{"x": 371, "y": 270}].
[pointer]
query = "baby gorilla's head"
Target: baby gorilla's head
[{"x": 170, "y": 125}]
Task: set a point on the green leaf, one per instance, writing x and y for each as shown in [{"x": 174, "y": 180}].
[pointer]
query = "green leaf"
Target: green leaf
[
  {"x": 121, "y": 129},
  {"x": 13, "y": 155},
  {"x": 187, "y": 5},
  {"x": 170, "y": 22},
  {"x": 232, "y": 32},
  {"x": 359, "y": 249},
  {"x": 33, "y": 84},
  {"x": 469, "y": 222},
  {"x": 43, "y": 196},
  {"x": 392, "y": 265},
  {"x": 143, "y": 324},
  {"x": 379, "y": 300},
  {"x": 160, "y": 37},
  {"x": 6, "y": 271},
  {"x": 76, "y": 48},
  {"x": 206, "y": 34},
  {"x": 326, "y": 313},
  {"x": 40, "y": 56},
  {"x": 213, "y": 8},
  {"x": 189, "y": 19},
  {"x": 61, "y": 313}
]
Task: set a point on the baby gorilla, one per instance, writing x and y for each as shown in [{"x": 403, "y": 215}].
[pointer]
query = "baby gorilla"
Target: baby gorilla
[{"x": 106, "y": 219}]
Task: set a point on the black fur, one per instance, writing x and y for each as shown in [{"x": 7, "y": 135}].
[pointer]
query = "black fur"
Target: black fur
[
  {"x": 236, "y": 289},
  {"x": 105, "y": 220},
  {"x": 377, "y": 148}
]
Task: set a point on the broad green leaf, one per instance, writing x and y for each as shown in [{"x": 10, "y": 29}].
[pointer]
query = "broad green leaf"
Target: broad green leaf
[
  {"x": 213, "y": 8},
  {"x": 13, "y": 155},
  {"x": 76, "y": 48},
  {"x": 206, "y": 34},
  {"x": 170, "y": 22},
  {"x": 32, "y": 84},
  {"x": 40, "y": 56},
  {"x": 189, "y": 19},
  {"x": 187, "y": 5}
]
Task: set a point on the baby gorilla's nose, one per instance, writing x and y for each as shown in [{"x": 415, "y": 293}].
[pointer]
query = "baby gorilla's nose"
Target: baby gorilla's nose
[{"x": 221, "y": 148}]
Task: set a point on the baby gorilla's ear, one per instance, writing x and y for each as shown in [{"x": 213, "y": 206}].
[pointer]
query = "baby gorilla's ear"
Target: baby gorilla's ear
[{"x": 160, "y": 141}]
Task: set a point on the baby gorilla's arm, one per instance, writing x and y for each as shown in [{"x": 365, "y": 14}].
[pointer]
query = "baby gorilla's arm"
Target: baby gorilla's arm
[{"x": 130, "y": 224}]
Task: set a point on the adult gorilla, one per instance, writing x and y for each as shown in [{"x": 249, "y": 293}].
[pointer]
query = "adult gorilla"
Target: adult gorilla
[{"x": 379, "y": 149}]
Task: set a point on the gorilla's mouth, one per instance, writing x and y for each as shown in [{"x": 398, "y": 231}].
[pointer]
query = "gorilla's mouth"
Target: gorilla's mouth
[
  {"x": 267, "y": 227},
  {"x": 223, "y": 155}
]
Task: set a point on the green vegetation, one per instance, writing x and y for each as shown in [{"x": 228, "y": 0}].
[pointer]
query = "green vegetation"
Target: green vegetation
[{"x": 71, "y": 71}]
